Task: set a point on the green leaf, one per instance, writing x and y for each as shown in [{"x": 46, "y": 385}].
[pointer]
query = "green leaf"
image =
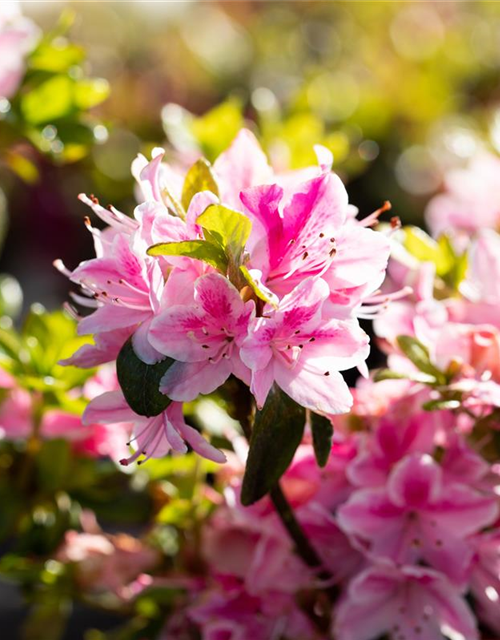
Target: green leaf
[
  {"x": 277, "y": 432},
  {"x": 198, "y": 249},
  {"x": 175, "y": 512},
  {"x": 227, "y": 228},
  {"x": 388, "y": 374},
  {"x": 199, "y": 178},
  {"x": 418, "y": 353},
  {"x": 216, "y": 129},
  {"x": 322, "y": 433},
  {"x": 140, "y": 382},
  {"x": 56, "y": 56},
  {"x": 426, "y": 249},
  {"x": 440, "y": 405},
  {"x": 50, "y": 100},
  {"x": 91, "y": 92}
]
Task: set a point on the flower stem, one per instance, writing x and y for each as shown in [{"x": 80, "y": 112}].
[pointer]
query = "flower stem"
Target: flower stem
[
  {"x": 296, "y": 532},
  {"x": 303, "y": 548}
]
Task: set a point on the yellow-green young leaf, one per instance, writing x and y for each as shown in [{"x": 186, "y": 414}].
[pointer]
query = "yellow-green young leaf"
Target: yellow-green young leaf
[
  {"x": 458, "y": 263},
  {"x": 277, "y": 432},
  {"x": 215, "y": 130},
  {"x": 56, "y": 56},
  {"x": 91, "y": 92},
  {"x": 266, "y": 296},
  {"x": 226, "y": 228},
  {"x": 198, "y": 178},
  {"x": 197, "y": 249},
  {"x": 426, "y": 249},
  {"x": 48, "y": 101}
]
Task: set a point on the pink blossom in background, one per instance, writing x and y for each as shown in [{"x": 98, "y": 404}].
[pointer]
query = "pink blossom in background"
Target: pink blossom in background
[
  {"x": 418, "y": 517},
  {"x": 406, "y": 602},
  {"x": 105, "y": 562},
  {"x": 470, "y": 198},
  {"x": 18, "y": 37}
]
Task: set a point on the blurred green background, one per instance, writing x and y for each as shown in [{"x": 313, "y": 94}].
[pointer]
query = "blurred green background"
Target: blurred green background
[{"x": 400, "y": 91}]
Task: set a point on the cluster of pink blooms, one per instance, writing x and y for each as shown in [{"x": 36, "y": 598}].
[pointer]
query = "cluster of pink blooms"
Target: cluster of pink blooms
[
  {"x": 18, "y": 37},
  {"x": 314, "y": 267},
  {"x": 404, "y": 518},
  {"x": 405, "y": 515},
  {"x": 18, "y": 412}
]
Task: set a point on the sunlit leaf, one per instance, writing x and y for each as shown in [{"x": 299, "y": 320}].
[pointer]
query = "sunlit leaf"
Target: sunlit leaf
[
  {"x": 197, "y": 249},
  {"x": 91, "y": 92},
  {"x": 216, "y": 129},
  {"x": 226, "y": 228},
  {"x": 50, "y": 100},
  {"x": 198, "y": 178}
]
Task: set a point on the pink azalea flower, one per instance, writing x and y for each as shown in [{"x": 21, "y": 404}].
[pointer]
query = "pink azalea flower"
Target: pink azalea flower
[
  {"x": 310, "y": 234},
  {"x": 485, "y": 579},
  {"x": 18, "y": 37},
  {"x": 154, "y": 437},
  {"x": 229, "y": 613},
  {"x": 410, "y": 603},
  {"x": 253, "y": 549},
  {"x": 470, "y": 200},
  {"x": 16, "y": 415},
  {"x": 328, "y": 487},
  {"x": 204, "y": 337},
  {"x": 403, "y": 428},
  {"x": 105, "y": 562},
  {"x": 303, "y": 352},
  {"x": 418, "y": 517},
  {"x": 124, "y": 289}
]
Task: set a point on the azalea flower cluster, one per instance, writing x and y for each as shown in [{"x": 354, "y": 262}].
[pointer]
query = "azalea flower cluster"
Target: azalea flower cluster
[
  {"x": 404, "y": 517},
  {"x": 264, "y": 277},
  {"x": 231, "y": 270}
]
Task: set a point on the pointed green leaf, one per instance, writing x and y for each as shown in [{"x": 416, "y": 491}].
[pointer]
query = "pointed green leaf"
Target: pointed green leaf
[
  {"x": 277, "y": 433},
  {"x": 322, "y": 433},
  {"x": 226, "y": 228},
  {"x": 388, "y": 374},
  {"x": 418, "y": 353},
  {"x": 199, "y": 178},
  {"x": 441, "y": 405},
  {"x": 197, "y": 249},
  {"x": 140, "y": 382}
]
